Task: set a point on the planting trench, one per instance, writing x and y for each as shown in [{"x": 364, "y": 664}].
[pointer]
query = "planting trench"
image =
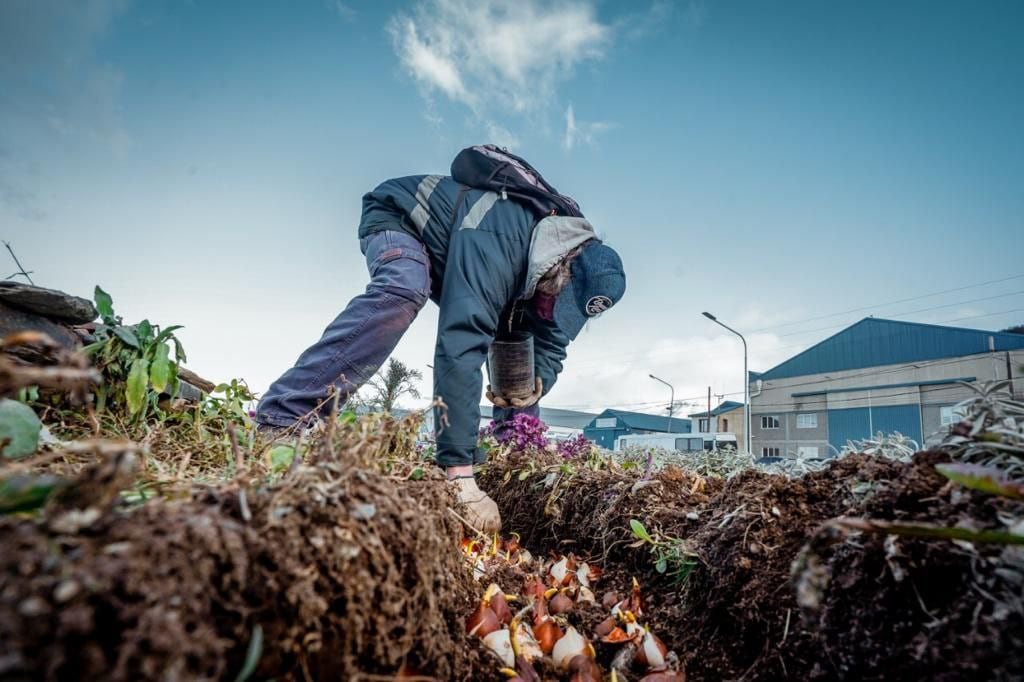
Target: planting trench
[
  {"x": 873, "y": 606},
  {"x": 338, "y": 572}
]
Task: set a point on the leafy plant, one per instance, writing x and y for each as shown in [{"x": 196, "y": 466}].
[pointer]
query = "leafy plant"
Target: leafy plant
[
  {"x": 231, "y": 404},
  {"x": 671, "y": 555},
  {"x": 19, "y": 429},
  {"x": 135, "y": 361},
  {"x": 984, "y": 479}
]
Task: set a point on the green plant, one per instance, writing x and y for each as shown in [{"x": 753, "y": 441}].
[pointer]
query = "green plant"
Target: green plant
[
  {"x": 232, "y": 403},
  {"x": 671, "y": 555},
  {"x": 135, "y": 361},
  {"x": 19, "y": 429}
]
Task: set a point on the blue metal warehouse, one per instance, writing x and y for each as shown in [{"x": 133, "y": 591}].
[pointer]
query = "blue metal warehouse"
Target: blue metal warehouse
[{"x": 876, "y": 376}]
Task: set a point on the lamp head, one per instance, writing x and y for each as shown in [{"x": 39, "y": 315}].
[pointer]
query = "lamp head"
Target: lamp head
[{"x": 709, "y": 316}]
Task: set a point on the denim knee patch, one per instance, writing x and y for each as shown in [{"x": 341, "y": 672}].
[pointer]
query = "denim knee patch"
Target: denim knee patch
[{"x": 399, "y": 265}]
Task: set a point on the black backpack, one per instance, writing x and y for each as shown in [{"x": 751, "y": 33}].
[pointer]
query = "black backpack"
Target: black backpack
[{"x": 489, "y": 167}]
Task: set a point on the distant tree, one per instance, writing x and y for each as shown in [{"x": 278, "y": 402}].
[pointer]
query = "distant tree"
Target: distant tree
[
  {"x": 390, "y": 383},
  {"x": 1019, "y": 329}
]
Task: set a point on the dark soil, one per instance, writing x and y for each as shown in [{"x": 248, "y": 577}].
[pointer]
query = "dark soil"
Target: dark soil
[
  {"x": 345, "y": 573},
  {"x": 888, "y": 607}
]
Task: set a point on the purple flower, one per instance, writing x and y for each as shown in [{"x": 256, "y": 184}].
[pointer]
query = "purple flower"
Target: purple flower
[
  {"x": 524, "y": 432},
  {"x": 576, "y": 447}
]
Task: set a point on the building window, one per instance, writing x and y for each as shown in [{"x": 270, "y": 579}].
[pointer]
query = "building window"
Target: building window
[
  {"x": 810, "y": 451},
  {"x": 769, "y": 422},
  {"x": 951, "y": 415},
  {"x": 702, "y": 425},
  {"x": 725, "y": 424},
  {"x": 769, "y": 452},
  {"x": 605, "y": 423},
  {"x": 807, "y": 421}
]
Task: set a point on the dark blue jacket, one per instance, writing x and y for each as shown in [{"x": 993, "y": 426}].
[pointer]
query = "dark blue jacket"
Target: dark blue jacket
[{"x": 479, "y": 246}]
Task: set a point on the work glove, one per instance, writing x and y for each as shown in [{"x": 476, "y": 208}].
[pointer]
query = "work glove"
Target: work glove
[
  {"x": 502, "y": 402},
  {"x": 481, "y": 510}
]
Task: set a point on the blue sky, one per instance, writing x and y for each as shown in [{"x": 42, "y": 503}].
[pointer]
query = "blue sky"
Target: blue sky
[{"x": 770, "y": 162}]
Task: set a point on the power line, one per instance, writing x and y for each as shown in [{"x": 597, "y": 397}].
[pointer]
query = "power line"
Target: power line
[
  {"x": 882, "y": 305},
  {"x": 871, "y": 372},
  {"x": 600, "y": 360}
]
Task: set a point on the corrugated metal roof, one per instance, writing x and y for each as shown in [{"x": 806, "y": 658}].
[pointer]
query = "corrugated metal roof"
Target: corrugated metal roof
[
  {"x": 648, "y": 422},
  {"x": 727, "y": 406},
  {"x": 873, "y": 342},
  {"x": 553, "y": 416}
]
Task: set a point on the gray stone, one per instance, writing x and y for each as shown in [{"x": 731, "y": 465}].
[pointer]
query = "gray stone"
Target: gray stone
[
  {"x": 48, "y": 302},
  {"x": 15, "y": 320}
]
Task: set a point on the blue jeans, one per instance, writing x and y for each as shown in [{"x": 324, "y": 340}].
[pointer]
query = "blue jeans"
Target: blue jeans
[{"x": 360, "y": 339}]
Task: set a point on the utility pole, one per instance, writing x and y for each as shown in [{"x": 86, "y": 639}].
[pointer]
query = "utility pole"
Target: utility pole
[{"x": 709, "y": 411}]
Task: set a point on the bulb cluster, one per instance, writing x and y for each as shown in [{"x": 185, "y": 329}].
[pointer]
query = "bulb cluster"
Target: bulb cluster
[{"x": 540, "y": 630}]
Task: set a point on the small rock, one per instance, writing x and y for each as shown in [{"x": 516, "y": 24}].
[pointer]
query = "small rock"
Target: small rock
[
  {"x": 32, "y": 607},
  {"x": 66, "y": 591},
  {"x": 364, "y": 511}
]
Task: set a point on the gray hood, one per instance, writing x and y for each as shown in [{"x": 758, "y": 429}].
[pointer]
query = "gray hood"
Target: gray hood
[{"x": 552, "y": 238}]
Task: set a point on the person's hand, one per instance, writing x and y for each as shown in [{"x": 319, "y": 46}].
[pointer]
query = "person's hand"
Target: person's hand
[
  {"x": 496, "y": 400},
  {"x": 481, "y": 511},
  {"x": 500, "y": 401}
]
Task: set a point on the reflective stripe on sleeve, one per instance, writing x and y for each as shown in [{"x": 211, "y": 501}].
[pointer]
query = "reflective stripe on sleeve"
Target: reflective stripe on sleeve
[
  {"x": 478, "y": 211},
  {"x": 421, "y": 214}
]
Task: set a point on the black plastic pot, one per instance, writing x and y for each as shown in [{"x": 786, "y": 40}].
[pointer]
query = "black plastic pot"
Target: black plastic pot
[{"x": 510, "y": 366}]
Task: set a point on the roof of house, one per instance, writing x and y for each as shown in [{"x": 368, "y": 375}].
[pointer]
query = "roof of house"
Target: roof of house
[
  {"x": 646, "y": 422},
  {"x": 552, "y": 416},
  {"x": 727, "y": 406},
  {"x": 874, "y": 342}
]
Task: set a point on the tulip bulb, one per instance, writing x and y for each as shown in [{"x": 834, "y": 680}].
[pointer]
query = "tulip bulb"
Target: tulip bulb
[
  {"x": 483, "y": 621},
  {"x": 605, "y": 626},
  {"x": 585, "y": 594},
  {"x": 571, "y": 644},
  {"x": 584, "y": 669},
  {"x": 499, "y": 604},
  {"x": 586, "y": 574},
  {"x": 534, "y": 587},
  {"x": 652, "y": 652},
  {"x": 562, "y": 571},
  {"x": 499, "y": 643},
  {"x": 610, "y": 599},
  {"x": 524, "y": 643},
  {"x": 559, "y": 604},
  {"x": 547, "y": 633}
]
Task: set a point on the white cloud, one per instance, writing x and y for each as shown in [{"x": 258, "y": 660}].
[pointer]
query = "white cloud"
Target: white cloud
[
  {"x": 496, "y": 54},
  {"x": 581, "y": 132},
  {"x": 343, "y": 10}
]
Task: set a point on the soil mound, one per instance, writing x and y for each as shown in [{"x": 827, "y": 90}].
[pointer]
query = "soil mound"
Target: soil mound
[
  {"x": 887, "y": 605},
  {"x": 332, "y": 572}
]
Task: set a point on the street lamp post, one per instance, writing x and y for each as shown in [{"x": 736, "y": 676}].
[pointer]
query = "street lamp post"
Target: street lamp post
[
  {"x": 671, "y": 400},
  {"x": 746, "y": 381}
]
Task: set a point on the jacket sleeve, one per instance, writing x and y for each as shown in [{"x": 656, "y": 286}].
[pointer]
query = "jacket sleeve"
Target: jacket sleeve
[
  {"x": 549, "y": 344},
  {"x": 476, "y": 286}
]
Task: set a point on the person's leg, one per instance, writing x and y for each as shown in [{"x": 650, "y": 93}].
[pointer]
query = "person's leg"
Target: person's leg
[{"x": 361, "y": 338}]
